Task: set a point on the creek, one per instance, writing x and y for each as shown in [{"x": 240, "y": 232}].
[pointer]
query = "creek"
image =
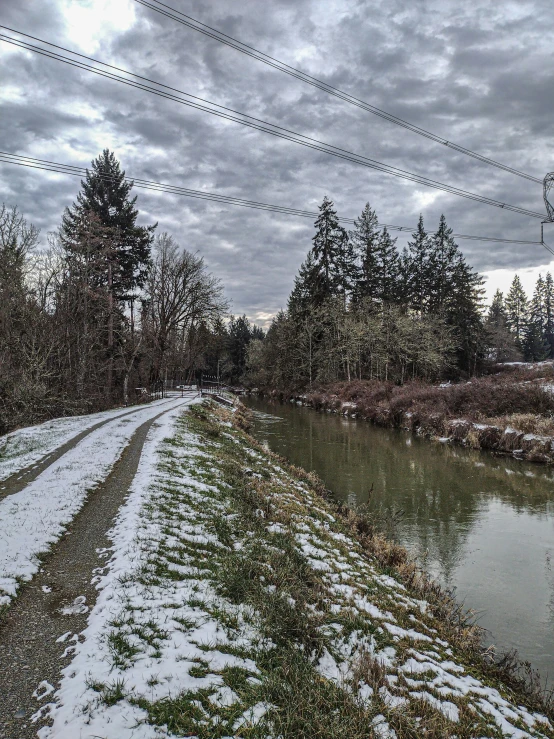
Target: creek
[{"x": 482, "y": 525}]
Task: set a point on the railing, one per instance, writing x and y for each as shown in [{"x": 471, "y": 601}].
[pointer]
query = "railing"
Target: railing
[{"x": 210, "y": 387}]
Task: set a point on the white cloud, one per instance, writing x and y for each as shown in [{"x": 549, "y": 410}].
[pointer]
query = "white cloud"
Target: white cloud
[{"x": 89, "y": 22}]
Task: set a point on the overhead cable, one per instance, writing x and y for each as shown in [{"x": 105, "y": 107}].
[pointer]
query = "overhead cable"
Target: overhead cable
[
  {"x": 193, "y": 101},
  {"x": 48, "y": 165},
  {"x": 187, "y": 20}
]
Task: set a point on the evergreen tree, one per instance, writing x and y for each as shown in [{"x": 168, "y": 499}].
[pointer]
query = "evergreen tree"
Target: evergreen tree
[
  {"x": 549, "y": 309},
  {"x": 329, "y": 254},
  {"x": 501, "y": 346},
  {"x": 305, "y": 283},
  {"x": 535, "y": 344},
  {"x": 462, "y": 307},
  {"x": 497, "y": 311},
  {"x": 417, "y": 270},
  {"x": 347, "y": 268},
  {"x": 516, "y": 310},
  {"x": 444, "y": 260},
  {"x": 105, "y": 194},
  {"x": 365, "y": 241},
  {"x": 241, "y": 333},
  {"x": 388, "y": 288}
]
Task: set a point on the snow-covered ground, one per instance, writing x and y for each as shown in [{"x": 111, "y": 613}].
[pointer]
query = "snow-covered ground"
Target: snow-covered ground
[
  {"x": 35, "y": 518},
  {"x": 28, "y": 445},
  {"x": 164, "y": 644}
]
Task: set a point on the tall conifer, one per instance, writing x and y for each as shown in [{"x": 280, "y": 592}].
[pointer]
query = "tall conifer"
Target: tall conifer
[
  {"x": 365, "y": 241},
  {"x": 417, "y": 269},
  {"x": 329, "y": 253},
  {"x": 105, "y": 193},
  {"x": 516, "y": 309}
]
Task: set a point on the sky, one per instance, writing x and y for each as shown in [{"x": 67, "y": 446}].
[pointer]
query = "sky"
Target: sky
[{"x": 480, "y": 74}]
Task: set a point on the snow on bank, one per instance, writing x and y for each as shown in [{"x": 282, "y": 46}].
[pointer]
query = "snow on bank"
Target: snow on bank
[
  {"x": 28, "y": 445},
  {"x": 183, "y": 636},
  {"x": 161, "y": 643},
  {"x": 35, "y": 518}
]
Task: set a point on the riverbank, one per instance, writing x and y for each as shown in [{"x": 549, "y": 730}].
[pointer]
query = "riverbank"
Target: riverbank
[
  {"x": 240, "y": 601},
  {"x": 510, "y": 413}
]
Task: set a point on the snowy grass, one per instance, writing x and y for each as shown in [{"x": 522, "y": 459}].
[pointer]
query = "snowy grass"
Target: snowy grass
[{"x": 238, "y": 603}]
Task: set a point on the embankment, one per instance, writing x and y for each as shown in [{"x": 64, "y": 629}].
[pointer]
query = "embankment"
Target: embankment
[
  {"x": 508, "y": 415},
  {"x": 249, "y": 604}
]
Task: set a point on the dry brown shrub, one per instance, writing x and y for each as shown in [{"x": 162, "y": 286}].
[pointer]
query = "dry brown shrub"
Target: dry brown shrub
[{"x": 527, "y": 423}]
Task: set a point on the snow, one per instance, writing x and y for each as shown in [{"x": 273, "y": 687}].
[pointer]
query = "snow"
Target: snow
[
  {"x": 32, "y": 520},
  {"x": 26, "y": 446}
]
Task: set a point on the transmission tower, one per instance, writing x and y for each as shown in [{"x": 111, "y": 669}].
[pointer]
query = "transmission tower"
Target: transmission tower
[{"x": 548, "y": 191}]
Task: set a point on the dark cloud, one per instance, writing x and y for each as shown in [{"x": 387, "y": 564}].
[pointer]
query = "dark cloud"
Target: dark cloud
[{"x": 478, "y": 74}]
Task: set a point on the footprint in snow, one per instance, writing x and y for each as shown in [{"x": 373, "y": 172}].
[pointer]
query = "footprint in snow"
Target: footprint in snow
[{"x": 77, "y": 607}]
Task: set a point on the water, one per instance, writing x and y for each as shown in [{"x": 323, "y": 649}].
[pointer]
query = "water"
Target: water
[{"x": 481, "y": 524}]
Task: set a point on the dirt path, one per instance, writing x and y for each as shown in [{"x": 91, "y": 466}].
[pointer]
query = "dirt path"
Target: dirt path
[
  {"x": 30, "y": 650},
  {"x": 16, "y": 482}
]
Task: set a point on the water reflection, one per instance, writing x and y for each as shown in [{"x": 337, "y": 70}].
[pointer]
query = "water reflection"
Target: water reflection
[{"x": 481, "y": 524}]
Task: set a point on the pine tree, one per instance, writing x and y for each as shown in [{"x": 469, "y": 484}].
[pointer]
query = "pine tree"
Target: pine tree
[
  {"x": 365, "y": 241},
  {"x": 535, "y": 344},
  {"x": 497, "y": 312},
  {"x": 387, "y": 270},
  {"x": 240, "y": 335},
  {"x": 444, "y": 260},
  {"x": 417, "y": 270},
  {"x": 462, "y": 304},
  {"x": 549, "y": 308},
  {"x": 105, "y": 194},
  {"x": 328, "y": 253},
  {"x": 301, "y": 298},
  {"x": 501, "y": 346},
  {"x": 516, "y": 310},
  {"x": 347, "y": 268}
]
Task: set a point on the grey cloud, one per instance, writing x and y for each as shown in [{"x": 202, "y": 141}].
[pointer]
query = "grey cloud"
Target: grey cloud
[{"x": 470, "y": 72}]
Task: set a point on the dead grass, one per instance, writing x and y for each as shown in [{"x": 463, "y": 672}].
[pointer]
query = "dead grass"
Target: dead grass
[{"x": 527, "y": 423}]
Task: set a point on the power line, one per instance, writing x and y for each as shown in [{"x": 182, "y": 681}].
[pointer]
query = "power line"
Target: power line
[
  {"x": 69, "y": 169},
  {"x": 187, "y": 20},
  {"x": 244, "y": 119}
]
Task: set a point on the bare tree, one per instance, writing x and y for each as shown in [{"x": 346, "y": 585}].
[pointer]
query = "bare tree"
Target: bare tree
[{"x": 180, "y": 295}]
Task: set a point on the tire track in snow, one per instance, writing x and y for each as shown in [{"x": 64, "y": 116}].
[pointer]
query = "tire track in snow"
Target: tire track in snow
[
  {"x": 22, "y": 477},
  {"x": 32, "y": 520},
  {"x": 57, "y": 602}
]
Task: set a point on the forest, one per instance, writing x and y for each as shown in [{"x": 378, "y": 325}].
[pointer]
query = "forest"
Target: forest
[
  {"x": 362, "y": 310},
  {"x": 112, "y": 311}
]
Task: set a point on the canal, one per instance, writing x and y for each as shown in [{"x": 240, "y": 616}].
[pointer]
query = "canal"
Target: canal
[{"x": 480, "y": 524}]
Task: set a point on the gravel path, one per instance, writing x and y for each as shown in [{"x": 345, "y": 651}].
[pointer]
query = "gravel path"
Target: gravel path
[
  {"x": 16, "y": 482},
  {"x": 57, "y": 601}
]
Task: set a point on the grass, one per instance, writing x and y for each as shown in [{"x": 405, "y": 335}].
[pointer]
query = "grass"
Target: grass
[{"x": 274, "y": 611}]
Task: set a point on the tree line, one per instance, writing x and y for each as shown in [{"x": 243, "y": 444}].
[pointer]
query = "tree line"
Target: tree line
[
  {"x": 107, "y": 309},
  {"x": 523, "y": 328},
  {"x": 361, "y": 309}
]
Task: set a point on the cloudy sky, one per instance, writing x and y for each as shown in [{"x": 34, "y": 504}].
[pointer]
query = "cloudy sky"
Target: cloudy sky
[{"x": 479, "y": 73}]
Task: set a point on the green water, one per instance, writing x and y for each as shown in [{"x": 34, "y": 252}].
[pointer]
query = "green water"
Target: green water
[{"x": 481, "y": 524}]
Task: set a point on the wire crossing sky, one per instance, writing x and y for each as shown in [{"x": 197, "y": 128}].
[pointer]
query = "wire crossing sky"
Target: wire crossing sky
[
  {"x": 244, "y": 119},
  {"x": 477, "y": 75},
  {"x": 7, "y": 158},
  {"x": 196, "y": 25}
]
